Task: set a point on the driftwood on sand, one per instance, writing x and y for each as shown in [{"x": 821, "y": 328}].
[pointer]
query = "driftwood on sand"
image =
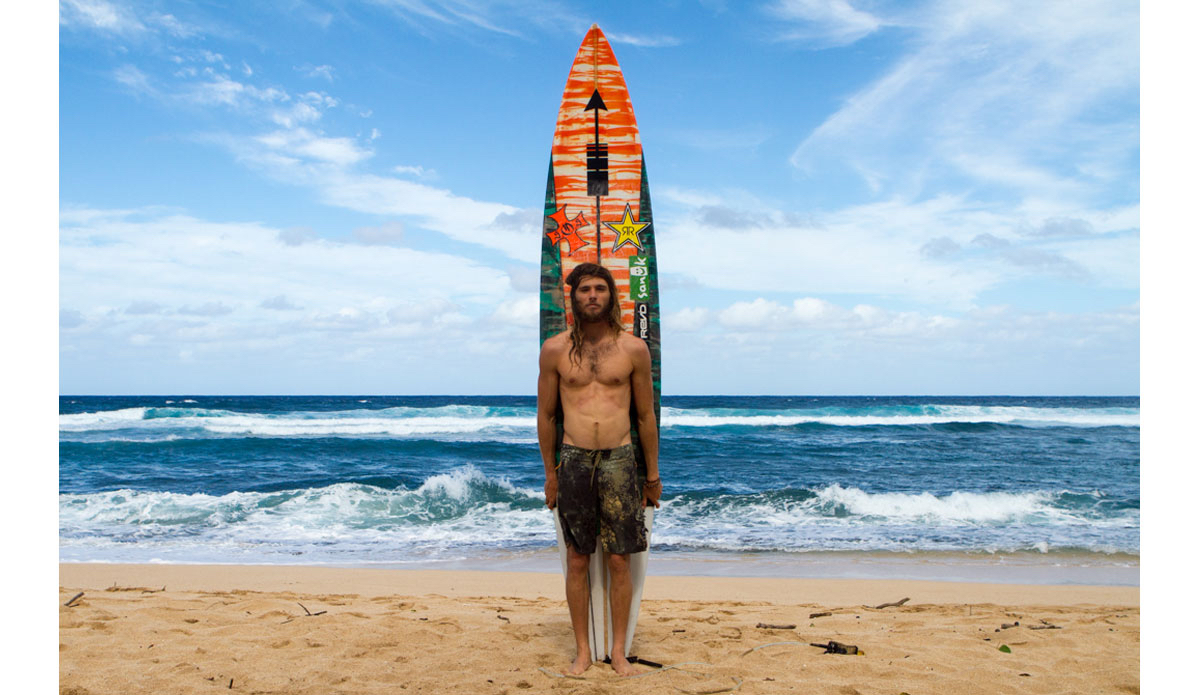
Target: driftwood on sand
[{"x": 308, "y": 612}]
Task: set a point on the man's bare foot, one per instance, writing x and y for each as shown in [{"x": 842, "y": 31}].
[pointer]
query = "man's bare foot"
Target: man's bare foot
[
  {"x": 622, "y": 666},
  {"x": 582, "y": 663}
]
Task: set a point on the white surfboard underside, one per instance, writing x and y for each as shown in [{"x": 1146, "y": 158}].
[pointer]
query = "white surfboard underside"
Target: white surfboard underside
[{"x": 600, "y": 631}]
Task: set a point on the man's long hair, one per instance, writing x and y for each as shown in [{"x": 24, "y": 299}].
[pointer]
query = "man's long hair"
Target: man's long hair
[{"x": 577, "y": 276}]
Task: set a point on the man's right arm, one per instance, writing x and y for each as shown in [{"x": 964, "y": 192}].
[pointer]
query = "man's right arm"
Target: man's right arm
[{"x": 547, "y": 418}]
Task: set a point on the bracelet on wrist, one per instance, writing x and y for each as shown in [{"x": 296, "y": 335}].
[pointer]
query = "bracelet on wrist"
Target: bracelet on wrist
[{"x": 656, "y": 480}]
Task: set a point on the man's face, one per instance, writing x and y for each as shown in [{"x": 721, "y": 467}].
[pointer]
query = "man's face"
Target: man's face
[{"x": 592, "y": 299}]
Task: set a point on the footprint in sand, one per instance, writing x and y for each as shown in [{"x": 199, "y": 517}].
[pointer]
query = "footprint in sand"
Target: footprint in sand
[
  {"x": 448, "y": 625},
  {"x": 517, "y": 633}
]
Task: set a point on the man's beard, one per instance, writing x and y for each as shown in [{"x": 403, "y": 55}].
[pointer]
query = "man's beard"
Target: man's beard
[{"x": 581, "y": 315}]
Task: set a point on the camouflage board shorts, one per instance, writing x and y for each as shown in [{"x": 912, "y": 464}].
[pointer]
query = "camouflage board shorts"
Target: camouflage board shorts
[{"x": 598, "y": 494}]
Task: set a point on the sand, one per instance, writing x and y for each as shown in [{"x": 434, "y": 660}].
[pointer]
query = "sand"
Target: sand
[{"x": 194, "y": 629}]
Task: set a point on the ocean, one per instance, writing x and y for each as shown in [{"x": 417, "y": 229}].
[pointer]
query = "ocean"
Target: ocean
[{"x": 1039, "y": 490}]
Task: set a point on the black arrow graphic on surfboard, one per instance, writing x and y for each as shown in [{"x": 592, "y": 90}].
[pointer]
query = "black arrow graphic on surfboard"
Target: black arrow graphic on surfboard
[{"x": 597, "y": 161}]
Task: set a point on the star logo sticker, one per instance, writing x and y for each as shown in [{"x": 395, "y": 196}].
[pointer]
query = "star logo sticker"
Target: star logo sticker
[{"x": 627, "y": 230}]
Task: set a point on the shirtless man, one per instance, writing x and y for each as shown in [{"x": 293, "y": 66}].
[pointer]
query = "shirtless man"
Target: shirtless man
[{"x": 593, "y": 369}]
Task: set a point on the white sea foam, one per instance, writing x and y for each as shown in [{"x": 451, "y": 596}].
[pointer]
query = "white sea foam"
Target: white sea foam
[
  {"x": 519, "y": 423},
  {"x": 844, "y": 519},
  {"x": 929, "y": 415},
  {"x": 105, "y": 419},
  {"x": 466, "y": 511},
  {"x": 392, "y": 422},
  {"x": 957, "y": 507},
  {"x": 442, "y": 497},
  {"x": 360, "y": 426}
]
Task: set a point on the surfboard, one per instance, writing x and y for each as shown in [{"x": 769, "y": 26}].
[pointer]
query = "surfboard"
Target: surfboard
[{"x": 598, "y": 210}]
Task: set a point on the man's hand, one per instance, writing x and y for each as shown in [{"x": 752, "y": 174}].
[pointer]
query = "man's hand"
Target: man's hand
[
  {"x": 651, "y": 491},
  {"x": 551, "y": 492}
]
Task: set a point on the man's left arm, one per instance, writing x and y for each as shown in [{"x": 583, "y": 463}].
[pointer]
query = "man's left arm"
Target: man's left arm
[{"x": 643, "y": 398}]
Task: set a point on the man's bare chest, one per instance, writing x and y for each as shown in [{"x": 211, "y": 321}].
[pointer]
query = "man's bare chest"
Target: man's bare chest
[{"x": 604, "y": 364}]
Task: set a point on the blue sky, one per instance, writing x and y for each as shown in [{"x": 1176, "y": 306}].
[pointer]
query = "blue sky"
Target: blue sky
[{"x": 849, "y": 197}]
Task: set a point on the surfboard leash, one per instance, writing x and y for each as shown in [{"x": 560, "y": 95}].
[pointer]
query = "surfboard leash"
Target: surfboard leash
[{"x": 636, "y": 660}]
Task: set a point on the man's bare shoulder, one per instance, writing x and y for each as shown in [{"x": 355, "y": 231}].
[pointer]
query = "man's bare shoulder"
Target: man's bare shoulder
[
  {"x": 632, "y": 345},
  {"x": 556, "y": 344}
]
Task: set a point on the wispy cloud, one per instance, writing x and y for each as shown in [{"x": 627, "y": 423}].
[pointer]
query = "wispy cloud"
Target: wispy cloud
[
  {"x": 174, "y": 281},
  {"x": 506, "y": 17},
  {"x": 824, "y": 22},
  {"x": 857, "y": 349},
  {"x": 280, "y": 303},
  {"x": 118, "y": 19},
  {"x": 390, "y": 234},
  {"x": 99, "y": 15},
  {"x": 204, "y": 79},
  {"x": 300, "y": 144},
  {"x": 1027, "y": 98},
  {"x": 299, "y": 153},
  {"x": 661, "y": 41},
  {"x": 945, "y": 251},
  {"x": 134, "y": 80},
  {"x": 324, "y": 72}
]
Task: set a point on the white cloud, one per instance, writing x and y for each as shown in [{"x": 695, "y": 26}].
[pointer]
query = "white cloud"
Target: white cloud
[
  {"x": 134, "y": 79},
  {"x": 661, "y": 41},
  {"x": 238, "y": 287},
  {"x": 872, "y": 249},
  {"x": 757, "y": 314},
  {"x": 826, "y": 22},
  {"x": 944, "y": 251},
  {"x": 390, "y": 234},
  {"x": 457, "y": 217},
  {"x": 418, "y": 171},
  {"x": 222, "y": 90},
  {"x": 99, "y": 15},
  {"x": 70, "y": 318},
  {"x": 815, "y": 314},
  {"x": 173, "y": 25},
  {"x": 201, "y": 79},
  {"x": 496, "y": 16},
  {"x": 687, "y": 320},
  {"x": 322, "y": 71},
  {"x": 1033, "y": 99},
  {"x": 416, "y": 312},
  {"x": 118, "y": 19},
  {"x": 279, "y": 303},
  {"x": 304, "y": 144},
  {"x": 521, "y": 311},
  {"x": 144, "y": 307},
  {"x": 206, "y": 309},
  {"x": 778, "y": 347},
  {"x": 301, "y": 155}
]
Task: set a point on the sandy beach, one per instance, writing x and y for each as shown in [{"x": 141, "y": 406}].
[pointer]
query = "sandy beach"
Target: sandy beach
[{"x": 272, "y": 629}]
